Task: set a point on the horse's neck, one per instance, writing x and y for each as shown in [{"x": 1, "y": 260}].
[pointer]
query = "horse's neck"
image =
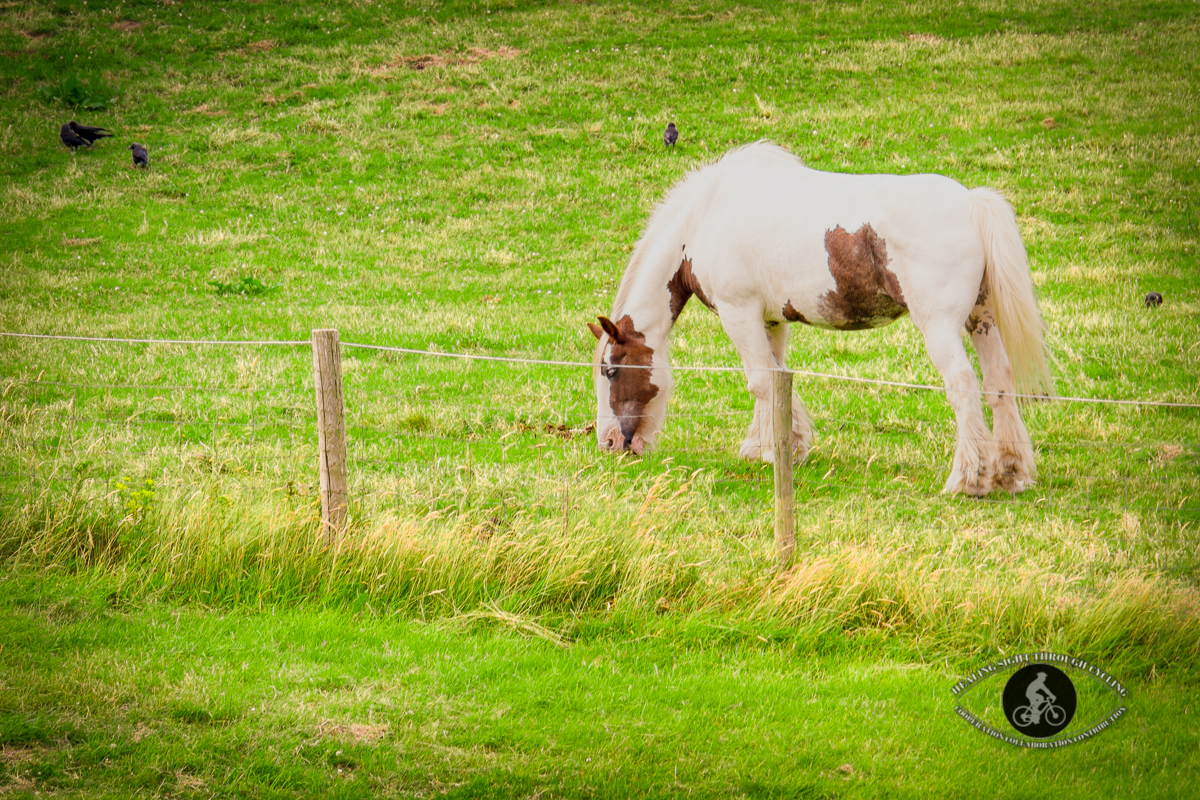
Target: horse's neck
[
  {"x": 646, "y": 297},
  {"x": 651, "y": 314}
]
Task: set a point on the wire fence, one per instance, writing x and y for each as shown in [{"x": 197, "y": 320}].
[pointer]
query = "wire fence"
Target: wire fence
[{"x": 87, "y": 411}]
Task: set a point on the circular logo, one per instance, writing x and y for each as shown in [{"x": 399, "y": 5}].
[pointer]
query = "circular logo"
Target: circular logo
[{"x": 1039, "y": 700}]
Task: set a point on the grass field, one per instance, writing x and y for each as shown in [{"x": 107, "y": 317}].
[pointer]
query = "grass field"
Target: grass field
[
  {"x": 471, "y": 179},
  {"x": 181, "y": 701}
]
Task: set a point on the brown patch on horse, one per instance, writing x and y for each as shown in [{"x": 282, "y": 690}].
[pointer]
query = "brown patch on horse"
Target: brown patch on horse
[
  {"x": 983, "y": 295},
  {"x": 682, "y": 286},
  {"x": 792, "y": 315},
  {"x": 629, "y": 390},
  {"x": 981, "y": 319},
  {"x": 980, "y": 323},
  {"x": 868, "y": 294}
]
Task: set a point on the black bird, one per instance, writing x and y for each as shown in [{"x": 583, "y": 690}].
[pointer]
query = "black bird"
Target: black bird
[
  {"x": 670, "y": 135},
  {"x": 89, "y": 133},
  {"x": 69, "y": 138},
  {"x": 1153, "y": 299},
  {"x": 140, "y": 157}
]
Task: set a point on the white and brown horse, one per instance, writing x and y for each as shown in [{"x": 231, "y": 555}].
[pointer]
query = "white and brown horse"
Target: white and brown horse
[{"x": 763, "y": 240}]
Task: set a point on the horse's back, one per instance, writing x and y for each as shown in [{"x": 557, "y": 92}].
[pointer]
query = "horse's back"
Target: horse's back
[
  {"x": 764, "y": 187},
  {"x": 764, "y": 224}
]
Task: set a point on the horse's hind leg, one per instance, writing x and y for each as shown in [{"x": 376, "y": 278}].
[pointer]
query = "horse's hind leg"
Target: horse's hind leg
[
  {"x": 974, "y": 452},
  {"x": 1015, "y": 467}
]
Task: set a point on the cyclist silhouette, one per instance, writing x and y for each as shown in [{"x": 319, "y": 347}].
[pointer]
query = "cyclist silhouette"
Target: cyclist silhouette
[
  {"x": 1040, "y": 699},
  {"x": 1042, "y": 716},
  {"x": 1039, "y": 695}
]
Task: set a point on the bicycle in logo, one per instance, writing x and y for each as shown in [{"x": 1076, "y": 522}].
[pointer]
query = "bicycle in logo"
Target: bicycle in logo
[{"x": 1024, "y": 716}]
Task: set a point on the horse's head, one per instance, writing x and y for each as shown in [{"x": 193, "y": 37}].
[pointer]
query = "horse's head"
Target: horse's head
[{"x": 631, "y": 389}]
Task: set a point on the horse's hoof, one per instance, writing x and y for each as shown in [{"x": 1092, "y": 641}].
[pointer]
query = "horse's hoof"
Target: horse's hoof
[
  {"x": 750, "y": 450},
  {"x": 980, "y": 487},
  {"x": 1012, "y": 483},
  {"x": 1012, "y": 474}
]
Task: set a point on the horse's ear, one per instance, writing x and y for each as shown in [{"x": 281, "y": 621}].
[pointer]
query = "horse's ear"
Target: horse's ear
[
  {"x": 612, "y": 330},
  {"x": 596, "y": 330}
]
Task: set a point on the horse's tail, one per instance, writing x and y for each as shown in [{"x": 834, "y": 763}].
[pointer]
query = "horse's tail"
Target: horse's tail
[{"x": 1008, "y": 283}]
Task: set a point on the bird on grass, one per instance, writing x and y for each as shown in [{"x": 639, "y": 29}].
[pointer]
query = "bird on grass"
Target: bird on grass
[
  {"x": 670, "y": 135},
  {"x": 140, "y": 157},
  {"x": 69, "y": 138},
  {"x": 1153, "y": 299},
  {"x": 89, "y": 133}
]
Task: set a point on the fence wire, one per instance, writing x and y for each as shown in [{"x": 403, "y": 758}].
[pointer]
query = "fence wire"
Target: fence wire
[{"x": 82, "y": 417}]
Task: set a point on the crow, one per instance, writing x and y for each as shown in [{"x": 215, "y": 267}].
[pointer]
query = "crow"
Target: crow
[
  {"x": 1153, "y": 299},
  {"x": 88, "y": 133},
  {"x": 670, "y": 135},
  {"x": 140, "y": 157},
  {"x": 69, "y": 138}
]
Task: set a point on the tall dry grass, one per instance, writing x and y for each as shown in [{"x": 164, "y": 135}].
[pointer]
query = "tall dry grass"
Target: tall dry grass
[{"x": 591, "y": 558}]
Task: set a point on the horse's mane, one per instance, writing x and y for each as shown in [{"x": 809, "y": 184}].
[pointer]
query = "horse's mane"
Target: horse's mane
[{"x": 681, "y": 197}]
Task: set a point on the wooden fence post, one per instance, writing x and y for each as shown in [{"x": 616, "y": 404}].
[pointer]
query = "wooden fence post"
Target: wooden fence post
[
  {"x": 785, "y": 490},
  {"x": 331, "y": 430}
]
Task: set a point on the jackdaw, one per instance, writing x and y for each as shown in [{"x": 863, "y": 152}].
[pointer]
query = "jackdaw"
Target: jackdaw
[
  {"x": 140, "y": 157},
  {"x": 89, "y": 133},
  {"x": 670, "y": 135},
  {"x": 1153, "y": 299},
  {"x": 69, "y": 138}
]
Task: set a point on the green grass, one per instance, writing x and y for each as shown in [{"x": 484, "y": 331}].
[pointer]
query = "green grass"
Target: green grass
[
  {"x": 487, "y": 203},
  {"x": 153, "y": 700}
]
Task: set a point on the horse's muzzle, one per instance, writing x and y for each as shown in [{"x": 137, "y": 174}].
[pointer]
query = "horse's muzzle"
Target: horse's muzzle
[
  {"x": 619, "y": 441},
  {"x": 629, "y": 432}
]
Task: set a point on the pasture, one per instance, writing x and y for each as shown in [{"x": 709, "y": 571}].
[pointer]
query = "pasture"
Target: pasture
[{"x": 471, "y": 179}]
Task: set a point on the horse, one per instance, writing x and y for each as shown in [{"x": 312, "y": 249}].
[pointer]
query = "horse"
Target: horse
[{"x": 763, "y": 240}]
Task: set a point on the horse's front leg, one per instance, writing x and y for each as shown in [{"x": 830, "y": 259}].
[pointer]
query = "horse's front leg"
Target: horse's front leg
[
  {"x": 756, "y": 344},
  {"x": 802, "y": 430}
]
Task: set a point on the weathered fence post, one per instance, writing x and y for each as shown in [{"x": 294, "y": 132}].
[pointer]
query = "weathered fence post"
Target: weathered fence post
[
  {"x": 331, "y": 430},
  {"x": 785, "y": 519}
]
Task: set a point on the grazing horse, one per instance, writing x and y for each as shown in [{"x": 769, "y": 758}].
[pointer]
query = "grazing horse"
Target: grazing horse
[{"x": 763, "y": 240}]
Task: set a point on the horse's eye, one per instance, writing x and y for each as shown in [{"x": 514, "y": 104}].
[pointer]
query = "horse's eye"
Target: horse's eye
[{"x": 610, "y": 372}]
